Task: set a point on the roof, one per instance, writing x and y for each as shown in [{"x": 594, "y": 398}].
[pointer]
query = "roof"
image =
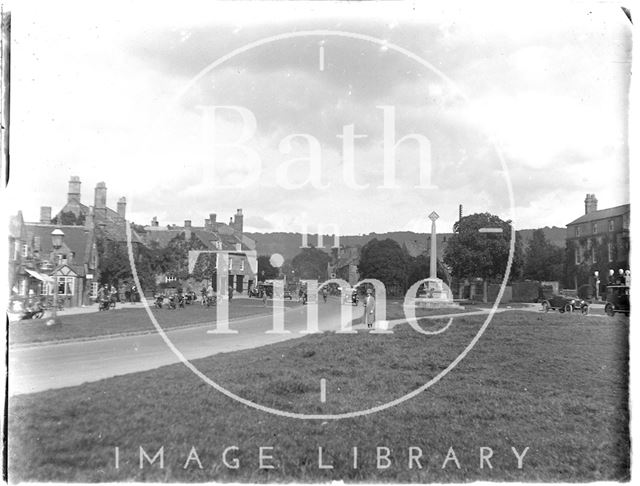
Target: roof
[
  {"x": 115, "y": 226},
  {"x": 208, "y": 238},
  {"x": 77, "y": 239},
  {"x": 603, "y": 214}
]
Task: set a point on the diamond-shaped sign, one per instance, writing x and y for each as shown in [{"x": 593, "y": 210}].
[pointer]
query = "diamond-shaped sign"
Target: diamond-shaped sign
[{"x": 433, "y": 216}]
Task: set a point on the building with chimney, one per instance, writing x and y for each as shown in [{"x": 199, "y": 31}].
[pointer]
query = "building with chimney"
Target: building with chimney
[
  {"x": 213, "y": 236},
  {"x": 74, "y": 267},
  {"x": 597, "y": 241}
]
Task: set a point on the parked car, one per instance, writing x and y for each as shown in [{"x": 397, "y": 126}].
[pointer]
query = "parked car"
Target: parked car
[
  {"x": 563, "y": 303},
  {"x": 617, "y": 300}
]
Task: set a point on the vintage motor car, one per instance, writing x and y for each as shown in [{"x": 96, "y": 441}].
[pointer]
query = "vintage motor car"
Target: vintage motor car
[
  {"x": 562, "y": 303},
  {"x": 617, "y": 300}
]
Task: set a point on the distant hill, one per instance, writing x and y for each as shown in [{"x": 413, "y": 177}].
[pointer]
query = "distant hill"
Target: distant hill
[
  {"x": 554, "y": 234},
  {"x": 288, "y": 244}
]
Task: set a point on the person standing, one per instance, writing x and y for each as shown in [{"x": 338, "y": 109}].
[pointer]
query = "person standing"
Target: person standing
[{"x": 370, "y": 309}]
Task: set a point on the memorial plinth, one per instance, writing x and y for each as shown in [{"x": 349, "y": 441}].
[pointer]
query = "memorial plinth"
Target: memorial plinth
[{"x": 436, "y": 293}]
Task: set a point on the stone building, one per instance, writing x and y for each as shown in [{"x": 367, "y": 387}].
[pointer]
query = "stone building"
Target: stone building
[{"x": 597, "y": 241}]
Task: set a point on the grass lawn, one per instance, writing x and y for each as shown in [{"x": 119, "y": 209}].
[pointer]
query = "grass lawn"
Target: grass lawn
[
  {"x": 127, "y": 320},
  {"x": 554, "y": 383}
]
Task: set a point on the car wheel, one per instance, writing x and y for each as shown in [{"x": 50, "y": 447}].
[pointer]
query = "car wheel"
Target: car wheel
[
  {"x": 609, "y": 310},
  {"x": 584, "y": 309},
  {"x": 545, "y": 306},
  {"x": 568, "y": 308}
]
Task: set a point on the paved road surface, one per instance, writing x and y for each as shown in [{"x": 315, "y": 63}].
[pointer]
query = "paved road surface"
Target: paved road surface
[{"x": 38, "y": 368}]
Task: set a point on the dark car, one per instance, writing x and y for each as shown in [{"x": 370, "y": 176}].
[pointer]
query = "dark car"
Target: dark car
[
  {"x": 562, "y": 303},
  {"x": 617, "y": 300}
]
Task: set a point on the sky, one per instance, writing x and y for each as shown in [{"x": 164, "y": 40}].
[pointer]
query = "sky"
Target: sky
[{"x": 518, "y": 112}]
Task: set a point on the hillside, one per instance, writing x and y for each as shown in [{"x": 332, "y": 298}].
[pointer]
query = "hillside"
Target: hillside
[{"x": 288, "y": 244}]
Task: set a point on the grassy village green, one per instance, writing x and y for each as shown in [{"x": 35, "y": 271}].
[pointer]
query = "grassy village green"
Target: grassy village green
[
  {"x": 554, "y": 383},
  {"x": 121, "y": 321},
  {"x": 99, "y": 324}
]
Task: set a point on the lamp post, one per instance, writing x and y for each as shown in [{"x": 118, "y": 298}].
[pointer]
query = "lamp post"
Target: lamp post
[
  {"x": 596, "y": 274},
  {"x": 57, "y": 236}
]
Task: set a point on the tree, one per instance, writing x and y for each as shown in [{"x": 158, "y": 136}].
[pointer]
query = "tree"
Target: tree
[
  {"x": 266, "y": 271},
  {"x": 385, "y": 261},
  {"x": 69, "y": 218},
  {"x": 311, "y": 263},
  {"x": 543, "y": 260},
  {"x": 419, "y": 268},
  {"x": 470, "y": 253}
]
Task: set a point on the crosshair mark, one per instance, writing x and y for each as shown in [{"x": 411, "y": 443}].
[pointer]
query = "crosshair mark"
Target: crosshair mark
[
  {"x": 323, "y": 390},
  {"x": 321, "y": 59}
]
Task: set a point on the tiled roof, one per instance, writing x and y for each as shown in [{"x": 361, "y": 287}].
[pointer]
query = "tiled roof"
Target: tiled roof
[
  {"x": 114, "y": 228},
  {"x": 602, "y": 214},
  {"x": 77, "y": 239}
]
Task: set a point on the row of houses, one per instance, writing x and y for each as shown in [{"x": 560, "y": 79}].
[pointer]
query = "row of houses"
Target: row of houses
[{"x": 36, "y": 267}]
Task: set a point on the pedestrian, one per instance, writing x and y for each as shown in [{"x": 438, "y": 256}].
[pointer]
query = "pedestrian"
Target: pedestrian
[
  {"x": 324, "y": 294},
  {"x": 370, "y": 309},
  {"x": 230, "y": 293}
]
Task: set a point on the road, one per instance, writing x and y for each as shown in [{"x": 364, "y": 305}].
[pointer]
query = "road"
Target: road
[{"x": 43, "y": 367}]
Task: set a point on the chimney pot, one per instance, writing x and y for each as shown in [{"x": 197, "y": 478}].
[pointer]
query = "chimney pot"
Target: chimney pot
[
  {"x": 45, "y": 214},
  {"x": 74, "y": 189},
  {"x": 122, "y": 207},
  {"x": 590, "y": 204},
  {"x": 187, "y": 223}
]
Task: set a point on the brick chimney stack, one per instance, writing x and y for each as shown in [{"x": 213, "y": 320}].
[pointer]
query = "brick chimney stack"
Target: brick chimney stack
[
  {"x": 100, "y": 201},
  {"x": 74, "y": 189},
  {"x": 187, "y": 229},
  {"x": 590, "y": 204},
  {"x": 238, "y": 222},
  {"x": 154, "y": 222},
  {"x": 122, "y": 207},
  {"x": 45, "y": 214}
]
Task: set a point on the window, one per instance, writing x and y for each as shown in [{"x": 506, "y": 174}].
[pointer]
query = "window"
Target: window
[
  {"x": 25, "y": 251},
  {"x": 94, "y": 290},
  {"x": 593, "y": 255},
  {"x": 230, "y": 263},
  {"x": 611, "y": 225},
  {"x": 577, "y": 230},
  {"x": 36, "y": 243},
  {"x": 577, "y": 255},
  {"x": 66, "y": 285},
  {"x": 625, "y": 221},
  {"x": 242, "y": 265},
  {"x": 595, "y": 228},
  {"x": 610, "y": 251},
  {"x": 171, "y": 278},
  {"x": 16, "y": 250}
]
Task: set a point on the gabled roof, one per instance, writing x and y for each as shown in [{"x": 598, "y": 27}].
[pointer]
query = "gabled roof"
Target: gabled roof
[
  {"x": 77, "y": 239},
  {"x": 602, "y": 214}
]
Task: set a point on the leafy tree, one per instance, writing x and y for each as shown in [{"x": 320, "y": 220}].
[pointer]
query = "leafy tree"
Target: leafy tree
[
  {"x": 69, "y": 218},
  {"x": 386, "y": 261},
  {"x": 543, "y": 260},
  {"x": 266, "y": 271},
  {"x": 311, "y": 263},
  {"x": 470, "y": 253},
  {"x": 420, "y": 267},
  {"x": 113, "y": 262}
]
